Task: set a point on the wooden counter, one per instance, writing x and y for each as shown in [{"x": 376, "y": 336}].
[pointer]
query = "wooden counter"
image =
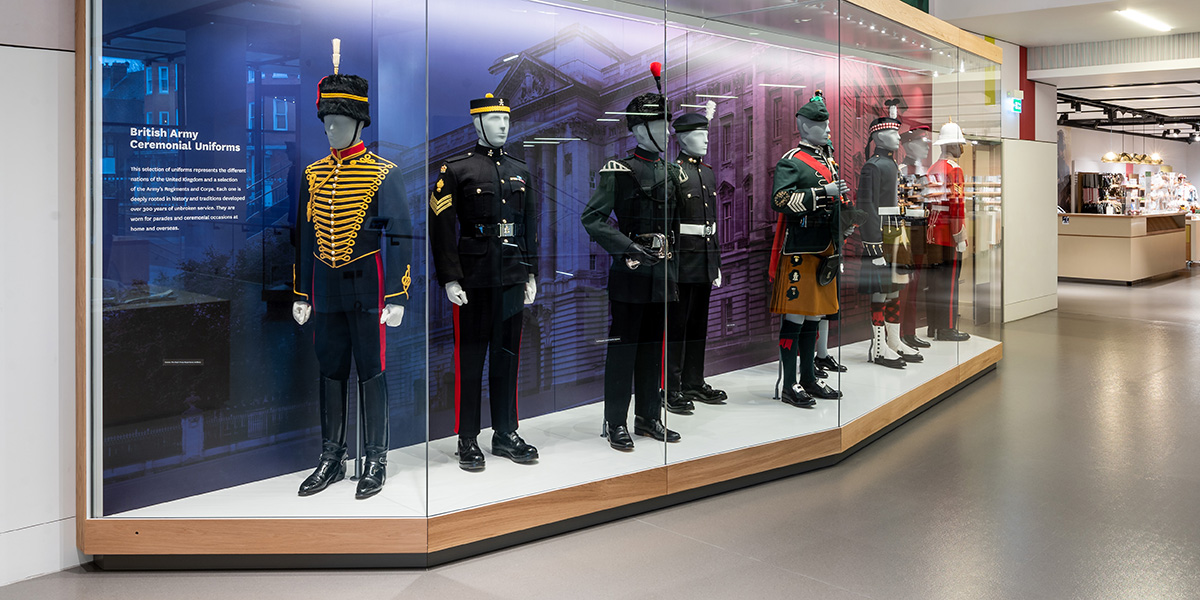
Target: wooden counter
[{"x": 1120, "y": 248}]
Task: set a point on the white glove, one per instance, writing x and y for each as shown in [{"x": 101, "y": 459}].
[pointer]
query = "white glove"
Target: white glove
[
  {"x": 879, "y": 261},
  {"x": 717, "y": 281},
  {"x": 961, "y": 246},
  {"x": 455, "y": 293},
  {"x": 301, "y": 311},
  {"x": 530, "y": 290},
  {"x": 392, "y": 315},
  {"x": 837, "y": 189}
]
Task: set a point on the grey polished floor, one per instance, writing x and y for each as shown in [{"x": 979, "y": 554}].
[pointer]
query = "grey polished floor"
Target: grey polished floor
[{"x": 1073, "y": 471}]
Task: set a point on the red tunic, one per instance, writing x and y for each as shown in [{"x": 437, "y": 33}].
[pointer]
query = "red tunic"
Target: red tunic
[{"x": 946, "y": 200}]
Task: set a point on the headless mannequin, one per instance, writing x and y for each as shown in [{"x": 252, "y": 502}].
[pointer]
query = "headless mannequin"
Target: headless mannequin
[
  {"x": 814, "y": 328},
  {"x": 343, "y": 132},
  {"x": 492, "y": 129}
]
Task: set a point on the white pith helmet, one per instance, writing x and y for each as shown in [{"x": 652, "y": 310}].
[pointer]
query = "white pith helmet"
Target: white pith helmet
[{"x": 950, "y": 133}]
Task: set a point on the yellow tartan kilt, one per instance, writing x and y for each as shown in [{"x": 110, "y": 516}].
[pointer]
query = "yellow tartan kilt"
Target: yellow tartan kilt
[{"x": 796, "y": 291}]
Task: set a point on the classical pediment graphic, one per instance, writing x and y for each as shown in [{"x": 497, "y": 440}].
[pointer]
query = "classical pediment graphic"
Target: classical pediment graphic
[{"x": 530, "y": 79}]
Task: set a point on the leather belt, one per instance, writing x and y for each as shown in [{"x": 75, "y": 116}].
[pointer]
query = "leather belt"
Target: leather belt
[
  {"x": 700, "y": 230},
  {"x": 500, "y": 230}
]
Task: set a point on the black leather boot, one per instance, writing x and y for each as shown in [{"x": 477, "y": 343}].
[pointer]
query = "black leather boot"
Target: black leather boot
[
  {"x": 511, "y": 446},
  {"x": 375, "y": 435},
  {"x": 618, "y": 436},
  {"x": 653, "y": 427},
  {"x": 332, "y": 465},
  {"x": 470, "y": 457},
  {"x": 679, "y": 405}
]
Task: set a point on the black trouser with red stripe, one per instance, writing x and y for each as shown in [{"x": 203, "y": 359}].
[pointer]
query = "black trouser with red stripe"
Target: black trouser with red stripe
[
  {"x": 687, "y": 336},
  {"x": 339, "y": 335},
  {"x": 634, "y": 357},
  {"x": 941, "y": 299},
  {"x": 487, "y": 326}
]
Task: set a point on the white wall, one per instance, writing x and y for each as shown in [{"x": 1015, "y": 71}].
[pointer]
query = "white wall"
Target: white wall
[
  {"x": 37, "y": 335},
  {"x": 1030, "y": 228}
]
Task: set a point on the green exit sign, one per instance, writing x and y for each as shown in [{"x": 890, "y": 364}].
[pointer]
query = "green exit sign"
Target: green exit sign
[{"x": 1016, "y": 105}]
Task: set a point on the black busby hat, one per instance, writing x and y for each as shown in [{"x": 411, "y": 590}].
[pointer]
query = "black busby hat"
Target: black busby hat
[
  {"x": 646, "y": 108},
  {"x": 343, "y": 95},
  {"x": 489, "y": 103},
  {"x": 691, "y": 122},
  {"x": 815, "y": 109}
]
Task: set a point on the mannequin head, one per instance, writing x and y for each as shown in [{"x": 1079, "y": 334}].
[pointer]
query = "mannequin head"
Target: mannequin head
[
  {"x": 887, "y": 139},
  {"x": 652, "y": 135},
  {"x": 916, "y": 145},
  {"x": 691, "y": 131},
  {"x": 953, "y": 150},
  {"x": 342, "y": 131},
  {"x": 813, "y": 132},
  {"x": 693, "y": 143},
  {"x": 492, "y": 128}
]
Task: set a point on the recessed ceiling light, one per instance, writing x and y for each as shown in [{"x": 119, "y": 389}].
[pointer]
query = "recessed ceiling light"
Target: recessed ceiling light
[{"x": 1144, "y": 20}]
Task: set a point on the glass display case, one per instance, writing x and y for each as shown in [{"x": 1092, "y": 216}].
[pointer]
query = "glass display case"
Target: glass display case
[{"x": 410, "y": 278}]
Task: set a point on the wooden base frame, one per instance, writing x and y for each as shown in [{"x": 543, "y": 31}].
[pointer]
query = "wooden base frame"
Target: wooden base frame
[{"x": 263, "y": 543}]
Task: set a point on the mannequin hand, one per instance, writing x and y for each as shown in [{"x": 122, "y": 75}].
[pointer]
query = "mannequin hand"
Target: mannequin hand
[
  {"x": 530, "y": 290},
  {"x": 961, "y": 246},
  {"x": 456, "y": 294},
  {"x": 717, "y": 281},
  {"x": 879, "y": 261},
  {"x": 392, "y": 315},
  {"x": 301, "y": 311},
  {"x": 636, "y": 254},
  {"x": 841, "y": 267}
]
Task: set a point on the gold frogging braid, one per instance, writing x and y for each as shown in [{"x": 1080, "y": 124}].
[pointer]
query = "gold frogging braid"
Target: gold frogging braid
[{"x": 340, "y": 192}]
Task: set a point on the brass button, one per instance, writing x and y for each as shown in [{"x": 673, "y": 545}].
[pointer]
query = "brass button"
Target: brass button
[
  {"x": 478, "y": 191},
  {"x": 505, "y": 201},
  {"x": 504, "y": 220}
]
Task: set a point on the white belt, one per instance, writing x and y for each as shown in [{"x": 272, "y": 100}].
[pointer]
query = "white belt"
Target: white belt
[
  {"x": 915, "y": 213},
  {"x": 889, "y": 211},
  {"x": 939, "y": 208},
  {"x": 700, "y": 230}
]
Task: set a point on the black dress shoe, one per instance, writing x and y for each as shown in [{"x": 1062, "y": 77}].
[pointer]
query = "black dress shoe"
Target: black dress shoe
[
  {"x": 372, "y": 478},
  {"x": 952, "y": 335},
  {"x": 829, "y": 364},
  {"x": 654, "y": 428},
  {"x": 618, "y": 437},
  {"x": 329, "y": 470},
  {"x": 470, "y": 457},
  {"x": 821, "y": 374},
  {"x": 706, "y": 394},
  {"x": 679, "y": 405},
  {"x": 915, "y": 342},
  {"x": 511, "y": 446},
  {"x": 911, "y": 358},
  {"x": 797, "y": 397},
  {"x": 817, "y": 389}
]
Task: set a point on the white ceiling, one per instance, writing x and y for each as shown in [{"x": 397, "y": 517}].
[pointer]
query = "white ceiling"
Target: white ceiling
[{"x": 1086, "y": 21}]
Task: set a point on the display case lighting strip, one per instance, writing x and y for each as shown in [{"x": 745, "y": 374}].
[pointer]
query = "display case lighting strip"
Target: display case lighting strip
[
  {"x": 716, "y": 96},
  {"x": 782, "y": 85},
  {"x": 554, "y": 139},
  {"x": 610, "y": 120}
]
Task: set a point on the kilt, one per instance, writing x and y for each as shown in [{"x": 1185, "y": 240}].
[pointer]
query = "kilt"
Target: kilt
[{"x": 796, "y": 291}]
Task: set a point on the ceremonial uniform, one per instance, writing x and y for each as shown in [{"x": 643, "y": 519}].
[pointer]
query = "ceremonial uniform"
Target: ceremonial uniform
[
  {"x": 353, "y": 260},
  {"x": 699, "y": 256},
  {"x": 882, "y": 230},
  {"x": 946, "y": 201},
  {"x": 804, "y": 237},
  {"x": 485, "y": 194},
  {"x": 912, "y": 191},
  {"x": 643, "y": 192}
]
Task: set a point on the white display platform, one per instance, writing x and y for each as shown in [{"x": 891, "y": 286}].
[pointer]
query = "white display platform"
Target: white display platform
[{"x": 572, "y": 451}]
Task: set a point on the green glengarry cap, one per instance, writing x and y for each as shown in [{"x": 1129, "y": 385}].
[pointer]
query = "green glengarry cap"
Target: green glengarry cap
[{"x": 815, "y": 109}]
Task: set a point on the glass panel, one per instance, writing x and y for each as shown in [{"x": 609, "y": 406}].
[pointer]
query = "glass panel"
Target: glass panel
[
  {"x": 898, "y": 87},
  {"x": 749, "y": 73},
  {"x": 566, "y": 74},
  {"x": 208, "y": 401}
]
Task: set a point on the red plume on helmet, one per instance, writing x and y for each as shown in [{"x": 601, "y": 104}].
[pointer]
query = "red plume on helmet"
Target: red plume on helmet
[{"x": 656, "y": 71}]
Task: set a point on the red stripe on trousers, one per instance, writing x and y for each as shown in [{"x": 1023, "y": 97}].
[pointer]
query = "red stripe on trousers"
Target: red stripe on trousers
[
  {"x": 954, "y": 271},
  {"x": 517, "y": 383},
  {"x": 382, "y": 327},
  {"x": 457, "y": 367}
]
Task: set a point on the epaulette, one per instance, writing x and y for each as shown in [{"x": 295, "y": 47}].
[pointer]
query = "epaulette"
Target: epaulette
[
  {"x": 458, "y": 157},
  {"x": 615, "y": 166},
  {"x": 790, "y": 153}
]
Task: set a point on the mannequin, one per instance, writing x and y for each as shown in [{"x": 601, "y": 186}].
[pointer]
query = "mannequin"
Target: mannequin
[
  {"x": 643, "y": 279},
  {"x": 699, "y": 255},
  {"x": 947, "y": 235},
  {"x": 885, "y": 252},
  {"x": 352, "y": 273},
  {"x": 488, "y": 269},
  {"x": 916, "y": 145},
  {"x": 808, "y": 195}
]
